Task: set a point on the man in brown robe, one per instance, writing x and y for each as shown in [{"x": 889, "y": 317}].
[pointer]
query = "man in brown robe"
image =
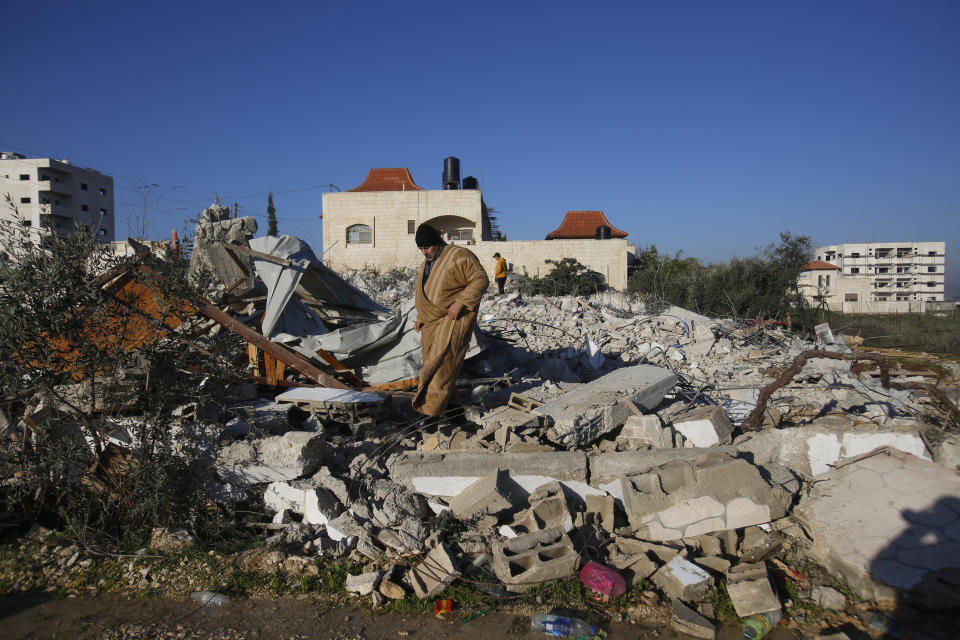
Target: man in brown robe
[{"x": 450, "y": 283}]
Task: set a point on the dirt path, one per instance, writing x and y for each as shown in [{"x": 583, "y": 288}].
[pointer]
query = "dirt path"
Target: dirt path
[{"x": 35, "y": 618}]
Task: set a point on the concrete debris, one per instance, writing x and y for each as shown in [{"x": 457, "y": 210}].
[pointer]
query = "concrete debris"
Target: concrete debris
[
  {"x": 665, "y": 445},
  {"x": 750, "y": 589},
  {"x": 911, "y": 511},
  {"x": 685, "y": 620},
  {"x": 171, "y": 539},
  {"x": 828, "y": 598},
  {"x": 537, "y": 557},
  {"x": 683, "y": 580},
  {"x": 285, "y": 457},
  {"x": 703, "y": 427},
  {"x": 713, "y": 492},
  {"x": 581, "y": 416},
  {"x": 431, "y": 577}
]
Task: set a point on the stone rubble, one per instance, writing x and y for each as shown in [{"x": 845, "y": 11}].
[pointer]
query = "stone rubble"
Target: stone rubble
[{"x": 610, "y": 433}]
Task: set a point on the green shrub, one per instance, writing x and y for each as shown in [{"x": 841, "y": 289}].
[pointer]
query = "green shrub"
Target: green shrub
[{"x": 568, "y": 277}]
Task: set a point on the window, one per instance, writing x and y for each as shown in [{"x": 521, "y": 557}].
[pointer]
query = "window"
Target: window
[
  {"x": 44, "y": 178},
  {"x": 931, "y": 284},
  {"x": 24, "y": 200},
  {"x": 411, "y": 226},
  {"x": 854, "y": 255},
  {"x": 83, "y": 186},
  {"x": 103, "y": 212},
  {"x": 828, "y": 280},
  {"x": 929, "y": 253},
  {"x": 883, "y": 269},
  {"x": 850, "y": 297},
  {"x": 931, "y": 269},
  {"x": 102, "y": 191},
  {"x": 359, "y": 234},
  {"x": 24, "y": 176},
  {"x": 84, "y": 207},
  {"x": 855, "y": 270}
]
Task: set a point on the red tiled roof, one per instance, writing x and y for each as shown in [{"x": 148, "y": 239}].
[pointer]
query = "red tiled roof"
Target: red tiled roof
[
  {"x": 388, "y": 180},
  {"x": 818, "y": 265},
  {"x": 583, "y": 224}
]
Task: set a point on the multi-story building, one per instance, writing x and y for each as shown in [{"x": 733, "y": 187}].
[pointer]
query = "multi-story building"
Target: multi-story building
[
  {"x": 877, "y": 277},
  {"x": 54, "y": 194}
]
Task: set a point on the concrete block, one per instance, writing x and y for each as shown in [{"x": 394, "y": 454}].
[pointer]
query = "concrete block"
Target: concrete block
[
  {"x": 582, "y": 416},
  {"x": 633, "y": 567},
  {"x": 750, "y": 589},
  {"x": 685, "y": 620},
  {"x": 533, "y": 558},
  {"x": 320, "y": 506},
  {"x": 250, "y": 462},
  {"x": 708, "y": 493},
  {"x": 364, "y": 583},
  {"x": 682, "y": 579},
  {"x": 643, "y": 432},
  {"x": 704, "y": 427},
  {"x": 714, "y": 563},
  {"x": 548, "y": 509},
  {"x": 605, "y": 507},
  {"x": 434, "y": 573},
  {"x": 449, "y": 473},
  {"x": 344, "y": 526},
  {"x": 489, "y": 496}
]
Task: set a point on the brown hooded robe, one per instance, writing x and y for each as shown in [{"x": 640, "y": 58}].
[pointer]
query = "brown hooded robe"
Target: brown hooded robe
[{"x": 457, "y": 276}]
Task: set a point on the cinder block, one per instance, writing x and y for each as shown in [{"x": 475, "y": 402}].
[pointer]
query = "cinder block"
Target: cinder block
[
  {"x": 537, "y": 557},
  {"x": 689, "y": 622}
]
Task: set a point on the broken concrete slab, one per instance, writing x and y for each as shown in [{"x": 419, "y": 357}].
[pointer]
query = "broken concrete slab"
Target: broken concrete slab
[
  {"x": 815, "y": 449},
  {"x": 685, "y": 620},
  {"x": 434, "y": 573},
  {"x": 683, "y": 579},
  {"x": 888, "y": 523},
  {"x": 684, "y": 499},
  {"x": 608, "y": 468},
  {"x": 250, "y": 462},
  {"x": 643, "y": 432},
  {"x": 581, "y": 416},
  {"x": 750, "y": 589},
  {"x": 533, "y": 558},
  {"x": 448, "y": 473},
  {"x": 703, "y": 427},
  {"x": 828, "y": 598}
]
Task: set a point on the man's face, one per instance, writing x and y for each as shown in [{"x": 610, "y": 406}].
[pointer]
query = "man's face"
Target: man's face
[{"x": 430, "y": 252}]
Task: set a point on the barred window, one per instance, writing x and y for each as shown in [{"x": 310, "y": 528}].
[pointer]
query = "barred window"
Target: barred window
[{"x": 359, "y": 234}]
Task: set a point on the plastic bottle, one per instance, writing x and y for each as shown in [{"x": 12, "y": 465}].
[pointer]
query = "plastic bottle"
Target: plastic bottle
[
  {"x": 759, "y": 624},
  {"x": 210, "y": 598},
  {"x": 561, "y": 626}
]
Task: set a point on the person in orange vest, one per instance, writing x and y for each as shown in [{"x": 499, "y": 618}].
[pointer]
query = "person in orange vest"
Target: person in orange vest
[{"x": 501, "y": 272}]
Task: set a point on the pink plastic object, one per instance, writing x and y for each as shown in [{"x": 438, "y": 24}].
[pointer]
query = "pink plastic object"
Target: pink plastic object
[{"x": 603, "y": 581}]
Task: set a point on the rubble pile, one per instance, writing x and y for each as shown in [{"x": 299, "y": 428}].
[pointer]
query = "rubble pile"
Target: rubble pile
[{"x": 594, "y": 430}]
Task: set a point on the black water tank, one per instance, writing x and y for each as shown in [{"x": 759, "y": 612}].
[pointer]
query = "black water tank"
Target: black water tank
[
  {"x": 604, "y": 232},
  {"x": 470, "y": 183},
  {"x": 451, "y": 173}
]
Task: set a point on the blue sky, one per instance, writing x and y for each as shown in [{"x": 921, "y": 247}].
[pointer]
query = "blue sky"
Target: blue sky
[{"x": 706, "y": 127}]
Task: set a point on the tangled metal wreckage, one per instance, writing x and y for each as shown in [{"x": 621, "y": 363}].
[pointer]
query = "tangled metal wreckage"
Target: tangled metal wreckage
[{"x": 668, "y": 446}]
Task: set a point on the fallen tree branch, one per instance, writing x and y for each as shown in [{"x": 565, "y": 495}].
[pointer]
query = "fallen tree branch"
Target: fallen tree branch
[{"x": 754, "y": 420}]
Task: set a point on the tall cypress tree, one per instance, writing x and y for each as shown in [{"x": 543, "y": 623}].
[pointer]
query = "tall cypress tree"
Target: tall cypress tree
[{"x": 271, "y": 216}]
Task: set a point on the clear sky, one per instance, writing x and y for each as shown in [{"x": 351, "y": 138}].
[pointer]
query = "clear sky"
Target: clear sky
[{"x": 707, "y": 127}]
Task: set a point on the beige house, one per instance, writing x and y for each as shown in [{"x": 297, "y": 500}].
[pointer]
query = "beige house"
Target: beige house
[
  {"x": 56, "y": 195},
  {"x": 373, "y": 225}
]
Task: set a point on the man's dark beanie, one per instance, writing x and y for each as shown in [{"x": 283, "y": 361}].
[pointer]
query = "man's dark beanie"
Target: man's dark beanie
[{"x": 427, "y": 236}]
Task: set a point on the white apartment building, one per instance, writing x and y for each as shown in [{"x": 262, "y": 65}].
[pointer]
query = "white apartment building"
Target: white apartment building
[
  {"x": 57, "y": 195},
  {"x": 878, "y": 277}
]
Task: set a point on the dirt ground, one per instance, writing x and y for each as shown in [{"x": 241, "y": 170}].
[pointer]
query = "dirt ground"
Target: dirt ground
[{"x": 35, "y": 618}]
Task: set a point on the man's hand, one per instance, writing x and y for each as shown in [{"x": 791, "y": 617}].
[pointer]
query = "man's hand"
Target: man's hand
[
  {"x": 417, "y": 325},
  {"x": 454, "y": 310}
]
